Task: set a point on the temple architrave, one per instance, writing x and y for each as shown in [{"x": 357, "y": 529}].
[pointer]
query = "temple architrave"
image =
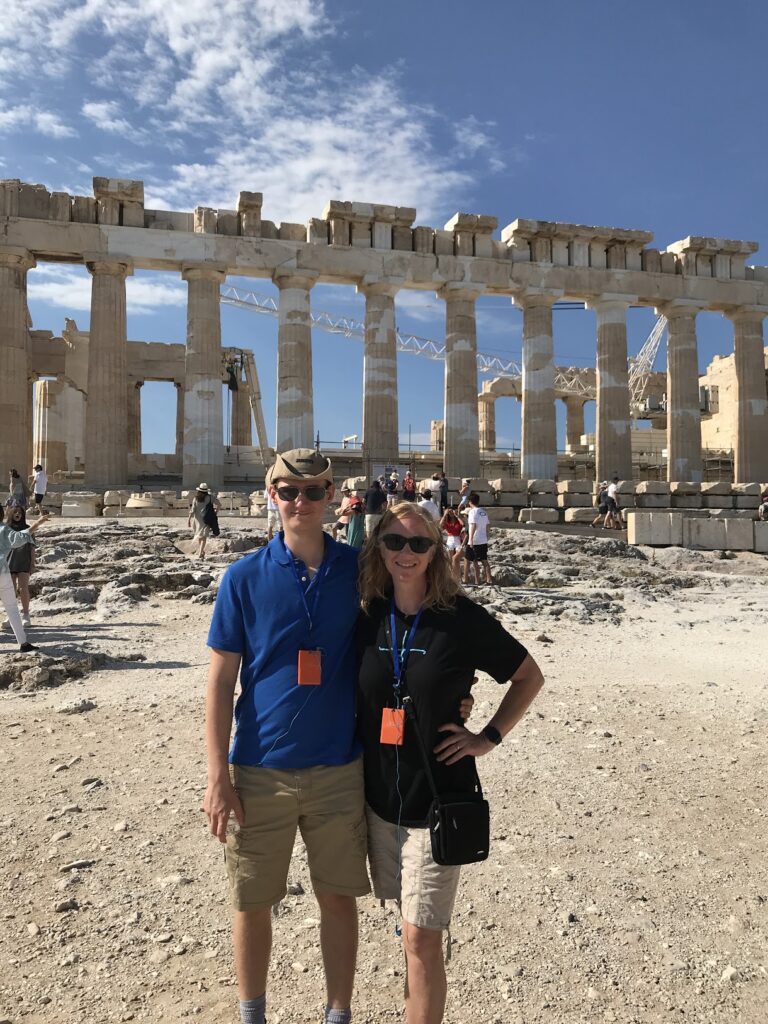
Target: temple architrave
[{"x": 380, "y": 251}]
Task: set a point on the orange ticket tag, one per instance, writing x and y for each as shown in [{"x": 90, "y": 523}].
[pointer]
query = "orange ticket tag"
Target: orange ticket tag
[
  {"x": 309, "y": 672},
  {"x": 392, "y": 726}
]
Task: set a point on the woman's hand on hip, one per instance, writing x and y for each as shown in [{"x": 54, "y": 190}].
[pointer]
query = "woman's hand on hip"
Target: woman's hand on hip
[{"x": 461, "y": 743}]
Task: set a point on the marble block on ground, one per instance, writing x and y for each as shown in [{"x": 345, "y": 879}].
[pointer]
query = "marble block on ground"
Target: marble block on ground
[
  {"x": 761, "y": 537},
  {"x": 539, "y": 515},
  {"x": 684, "y": 487},
  {"x": 646, "y": 487},
  {"x": 574, "y": 500},
  {"x": 656, "y": 529},
  {"x": 579, "y": 515},
  {"x": 574, "y": 487}
]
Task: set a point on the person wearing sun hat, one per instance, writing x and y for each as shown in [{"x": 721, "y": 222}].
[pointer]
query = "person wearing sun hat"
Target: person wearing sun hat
[
  {"x": 201, "y": 531},
  {"x": 284, "y": 621}
]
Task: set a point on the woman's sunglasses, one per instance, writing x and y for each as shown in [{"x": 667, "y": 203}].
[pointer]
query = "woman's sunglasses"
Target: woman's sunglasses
[
  {"x": 313, "y": 493},
  {"x": 396, "y": 542}
]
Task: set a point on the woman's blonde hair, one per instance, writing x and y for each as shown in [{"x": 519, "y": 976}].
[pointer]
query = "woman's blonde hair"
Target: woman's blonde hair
[{"x": 376, "y": 582}]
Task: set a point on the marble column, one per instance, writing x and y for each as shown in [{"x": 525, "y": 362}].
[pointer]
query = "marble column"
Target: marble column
[
  {"x": 750, "y": 457},
  {"x": 203, "y": 453},
  {"x": 683, "y": 413},
  {"x": 574, "y": 420},
  {"x": 295, "y": 420},
  {"x": 381, "y": 438},
  {"x": 15, "y": 416},
  {"x": 613, "y": 441},
  {"x": 461, "y": 451},
  {"x": 134, "y": 417},
  {"x": 106, "y": 407},
  {"x": 486, "y": 413},
  {"x": 240, "y": 427},
  {"x": 179, "y": 450},
  {"x": 539, "y": 423}
]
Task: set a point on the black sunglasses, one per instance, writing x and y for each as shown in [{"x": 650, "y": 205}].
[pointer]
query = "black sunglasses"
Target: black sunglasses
[
  {"x": 315, "y": 492},
  {"x": 396, "y": 542}
]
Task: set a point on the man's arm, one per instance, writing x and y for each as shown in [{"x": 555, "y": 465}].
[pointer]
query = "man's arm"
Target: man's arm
[{"x": 221, "y": 800}]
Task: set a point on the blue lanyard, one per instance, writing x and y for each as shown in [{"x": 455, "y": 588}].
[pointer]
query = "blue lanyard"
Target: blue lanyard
[
  {"x": 400, "y": 658},
  {"x": 314, "y": 586}
]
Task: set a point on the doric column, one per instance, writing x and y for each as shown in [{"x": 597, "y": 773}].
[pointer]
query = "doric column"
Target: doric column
[
  {"x": 381, "y": 438},
  {"x": 203, "y": 456},
  {"x": 462, "y": 436},
  {"x": 613, "y": 441},
  {"x": 295, "y": 422},
  {"x": 106, "y": 407},
  {"x": 241, "y": 431},
  {"x": 15, "y": 426},
  {"x": 750, "y": 458},
  {"x": 179, "y": 450},
  {"x": 683, "y": 413},
  {"x": 134, "y": 417},
  {"x": 539, "y": 424},
  {"x": 486, "y": 414},
  {"x": 574, "y": 420}
]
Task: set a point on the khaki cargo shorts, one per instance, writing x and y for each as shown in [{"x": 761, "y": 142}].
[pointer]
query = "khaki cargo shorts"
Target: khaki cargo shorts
[
  {"x": 326, "y": 804},
  {"x": 402, "y": 869}
]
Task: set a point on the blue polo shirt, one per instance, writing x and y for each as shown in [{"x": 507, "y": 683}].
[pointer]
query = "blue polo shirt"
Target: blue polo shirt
[{"x": 259, "y": 614}]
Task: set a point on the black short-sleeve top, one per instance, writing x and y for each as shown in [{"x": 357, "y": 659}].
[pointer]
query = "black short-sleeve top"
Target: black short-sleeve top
[{"x": 448, "y": 648}]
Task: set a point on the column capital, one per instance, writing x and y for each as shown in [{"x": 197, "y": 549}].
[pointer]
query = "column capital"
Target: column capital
[
  {"x": 752, "y": 314},
  {"x": 208, "y": 271},
  {"x": 610, "y": 303},
  {"x": 16, "y": 257},
  {"x": 678, "y": 307},
  {"x": 290, "y": 277},
  {"x": 458, "y": 290},
  {"x": 373, "y": 285},
  {"x": 115, "y": 266},
  {"x": 536, "y": 297}
]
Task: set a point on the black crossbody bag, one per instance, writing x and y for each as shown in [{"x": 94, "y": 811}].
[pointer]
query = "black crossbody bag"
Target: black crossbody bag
[{"x": 459, "y": 823}]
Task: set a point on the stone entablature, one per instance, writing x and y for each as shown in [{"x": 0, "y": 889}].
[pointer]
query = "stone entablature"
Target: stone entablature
[{"x": 351, "y": 240}]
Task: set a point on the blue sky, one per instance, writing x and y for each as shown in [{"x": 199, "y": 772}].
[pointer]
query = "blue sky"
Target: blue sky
[{"x": 634, "y": 115}]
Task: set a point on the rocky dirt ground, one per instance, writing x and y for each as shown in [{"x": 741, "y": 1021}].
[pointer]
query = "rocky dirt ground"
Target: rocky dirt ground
[{"x": 628, "y": 880}]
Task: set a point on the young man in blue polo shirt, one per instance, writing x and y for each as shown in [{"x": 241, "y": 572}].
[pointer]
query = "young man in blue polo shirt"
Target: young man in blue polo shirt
[{"x": 285, "y": 621}]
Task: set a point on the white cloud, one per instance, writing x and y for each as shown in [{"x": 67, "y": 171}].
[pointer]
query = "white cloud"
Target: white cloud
[
  {"x": 69, "y": 288},
  {"x": 244, "y": 95},
  {"x": 25, "y": 115},
  {"x": 106, "y": 116}
]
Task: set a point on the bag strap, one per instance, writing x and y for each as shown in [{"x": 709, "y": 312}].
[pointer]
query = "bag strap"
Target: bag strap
[{"x": 410, "y": 711}]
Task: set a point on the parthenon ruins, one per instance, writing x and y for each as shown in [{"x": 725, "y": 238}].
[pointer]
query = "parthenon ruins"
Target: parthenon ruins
[{"x": 378, "y": 250}]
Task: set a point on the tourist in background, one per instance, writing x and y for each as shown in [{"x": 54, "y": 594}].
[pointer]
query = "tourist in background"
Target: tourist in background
[
  {"x": 199, "y": 512},
  {"x": 476, "y": 553},
  {"x": 17, "y": 488},
  {"x": 409, "y": 487},
  {"x": 356, "y": 527},
  {"x": 393, "y": 485},
  {"x": 375, "y": 500},
  {"x": 273, "y": 515},
  {"x": 417, "y": 624},
  {"x": 341, "y": 525},
  {"x": 602, "y": 505},
  {"x": 21, "y": 561},
  {"x": 464, "y": 493},
  {"x": 614, "y": 518},
  {"x": 39, "y": 486},
  {"x": 429, "y": 505},
  {"x": 762, "y": 512},
  {"x": 443, "y": 492},
  {"x": 11, "y": 539},
  {"x": 455, "y": 535}
]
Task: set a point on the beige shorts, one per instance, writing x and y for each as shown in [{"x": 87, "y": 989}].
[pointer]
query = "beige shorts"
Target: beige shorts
[
  {"x": 371, "y": 522},
  {"x": 273, "y": 520},
  {"x": 402, "y": 869},
  {"x": 326, "y": 804}
]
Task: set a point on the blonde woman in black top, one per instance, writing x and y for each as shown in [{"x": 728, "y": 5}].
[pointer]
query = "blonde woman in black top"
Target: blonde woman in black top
[{"x": 419, "y": 636}]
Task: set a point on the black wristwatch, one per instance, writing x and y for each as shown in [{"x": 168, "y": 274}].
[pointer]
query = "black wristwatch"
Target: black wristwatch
[{"x": 493, "y": 734}]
